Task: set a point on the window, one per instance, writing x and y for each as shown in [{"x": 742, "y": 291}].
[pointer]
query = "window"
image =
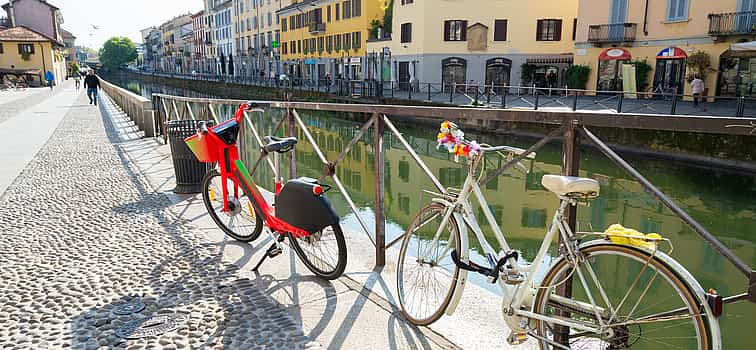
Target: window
[
  {"x": 337, "y": 12},
  {"x": 347, "y": 41},
  {"x": 677, "y": 10},
  {"x": 347, "y": 8},
  {"x": 26, "y": 49},
  {"x": 283, "y": 25},
  {"x": 270, "y": 19},
  {"x": 321, "y": 44},
  {"x": 405, "y": 2},
  {"x": 455, "y": 30},
  {"x": 356, "y": 8},
  {"x": 313, "y": 42},
  {"x": 574, "y": 28},
  {"x": 337, "y": 42},
  {"x": 356, "y": 40},
  {"x": 328, "y": 13},
  {"x": 406, "y": 36},
  {"x": 549, "y": 30},
  {"x": 306, "y": 46},
  {"x": 283, "y": 48},
  {"x": 500, "y": 30},
  {"x": 1, "y": 48}
]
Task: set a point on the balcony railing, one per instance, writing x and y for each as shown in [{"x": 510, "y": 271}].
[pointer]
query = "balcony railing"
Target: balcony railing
[
  {"x": 317, "y": 28},
  {"x": 732, "y": 23},
  {"x": 611, "y": 33}
]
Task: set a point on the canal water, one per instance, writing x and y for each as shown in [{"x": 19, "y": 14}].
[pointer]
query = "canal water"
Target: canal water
[{"x": 722, "y": 201}]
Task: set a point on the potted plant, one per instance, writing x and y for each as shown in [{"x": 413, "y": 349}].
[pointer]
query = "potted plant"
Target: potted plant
[{"x": 642, "y": 74}]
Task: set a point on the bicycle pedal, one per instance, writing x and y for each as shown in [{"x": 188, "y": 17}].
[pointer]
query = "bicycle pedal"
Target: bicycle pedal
[
  {"x": 517, "y": 338},
  {"x": 512, "y": 277},
  {"x": 275, "y": 252}
]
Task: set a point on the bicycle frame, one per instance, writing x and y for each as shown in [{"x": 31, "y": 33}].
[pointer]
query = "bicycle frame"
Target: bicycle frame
[
  {"x": 462, "y": 210},
  {"x": 231, "y": 167}
]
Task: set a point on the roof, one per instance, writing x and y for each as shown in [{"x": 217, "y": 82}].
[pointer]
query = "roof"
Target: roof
[
  {"x": 295, "y": 5},
  {"x": 22, "y": 33},
  {"x": 66, "y": 34},
  {"x": 42, "y": 1}
]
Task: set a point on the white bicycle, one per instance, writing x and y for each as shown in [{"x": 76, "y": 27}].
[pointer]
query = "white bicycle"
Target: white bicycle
[{"x": 627, "y": 293}]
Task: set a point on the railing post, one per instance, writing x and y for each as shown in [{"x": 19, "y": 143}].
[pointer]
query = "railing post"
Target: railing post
[
  {"x": 674, "y": 102},
  {"x": 536, "y": 100},
  {"x": 451, "y": 93},
  {"x": 488, "y": 94},
  {"x": 410, "y": 91},
  {"x": 741, "y": 107},
  {"x": 574, "y": 100},
  {"x": 504, "y": 97},
  {"x": 430, "y": 98},
  {"x": 619, "y": 102},
  {"x": 570, "y": 167},
  {"x": 292, "y": 155},
  {"x": 380, "y": 222}
]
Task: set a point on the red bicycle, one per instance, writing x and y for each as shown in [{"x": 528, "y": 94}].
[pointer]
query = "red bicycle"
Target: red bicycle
[{"x": 237, "y": 206}]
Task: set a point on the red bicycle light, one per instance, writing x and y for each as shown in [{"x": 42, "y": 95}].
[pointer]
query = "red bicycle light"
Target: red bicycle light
[{"x": 317, "y": 190}]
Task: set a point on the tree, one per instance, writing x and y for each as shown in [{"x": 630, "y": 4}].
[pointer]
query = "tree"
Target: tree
[
  {"x": 117, "y": 51},
  {"x": 577, "y": 76}
]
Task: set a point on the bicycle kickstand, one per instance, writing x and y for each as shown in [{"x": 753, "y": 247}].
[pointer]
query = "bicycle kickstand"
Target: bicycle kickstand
[{"x": 273, "y": 251}]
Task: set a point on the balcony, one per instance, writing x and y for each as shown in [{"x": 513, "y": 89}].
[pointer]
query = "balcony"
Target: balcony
[
  {"x": 732, "y": 23},
  {"x": 612, "y": 33},
  {"x": 317, "y": 28}
]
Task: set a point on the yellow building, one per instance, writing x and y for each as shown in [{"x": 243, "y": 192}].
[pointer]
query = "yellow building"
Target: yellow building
[
  {"x": 478, "y": 41},
  {"x": 327, "y": 37},
  {"x": 256, "y": 28},
  {"x": 26, "y": 55},
  {"x": 666, "y": 34}
]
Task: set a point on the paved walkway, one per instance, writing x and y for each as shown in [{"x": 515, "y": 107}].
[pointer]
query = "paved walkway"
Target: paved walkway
[{"x": 83, "y": 234}]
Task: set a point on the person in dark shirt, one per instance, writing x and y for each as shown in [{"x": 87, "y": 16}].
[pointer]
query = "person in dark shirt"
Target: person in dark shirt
[{"x": 92, "y": 84}]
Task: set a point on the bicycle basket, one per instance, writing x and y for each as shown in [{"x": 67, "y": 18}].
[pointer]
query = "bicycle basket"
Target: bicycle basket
[{"x": 203, "y": 148}]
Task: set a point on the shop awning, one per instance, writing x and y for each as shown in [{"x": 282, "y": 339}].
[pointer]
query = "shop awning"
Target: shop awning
[
  {"x": 20, "y": 71},
  {"x": 550, "y": 59},
  {"x": 749, "y": 46},
  {"x": 615, "y": 54},
  {"x": 671, "y": 53}
]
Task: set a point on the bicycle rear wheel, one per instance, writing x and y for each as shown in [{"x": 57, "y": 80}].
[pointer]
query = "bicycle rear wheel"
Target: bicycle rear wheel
[
  {"x": 240, "y": 222},
  {"x": 426, "y": 275},
  {"x": 324, "y": 252},
  {"x": 644, "y": 303}
]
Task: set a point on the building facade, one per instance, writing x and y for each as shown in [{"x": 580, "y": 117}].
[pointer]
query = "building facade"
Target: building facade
[
  {"x": 666, "y": 34},
  {"x": 322, "y": 38},
  {"x": 222, "y": 35},
  {"x": 38, "y": 15},
  {"x": 174, "y": 33},
  {"x": 69, "y": 42},
  {"x": 450, "y": 42},
  {"x": 257, "y": 37},
  {"x": 26, "y": 55},
  {"x": 200, "y": 47}
]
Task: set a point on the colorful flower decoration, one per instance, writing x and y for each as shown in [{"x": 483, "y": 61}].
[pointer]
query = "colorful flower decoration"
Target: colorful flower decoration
[{"x": 451, "y": 137}]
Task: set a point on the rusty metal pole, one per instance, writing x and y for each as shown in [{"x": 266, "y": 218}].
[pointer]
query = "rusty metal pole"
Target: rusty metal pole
[
  {"x": 380, "y": 222},
  {"x": 570, "y": 167}
]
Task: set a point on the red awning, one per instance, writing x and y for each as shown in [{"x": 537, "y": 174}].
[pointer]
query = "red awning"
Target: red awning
[{"x": 615, "y": 54}]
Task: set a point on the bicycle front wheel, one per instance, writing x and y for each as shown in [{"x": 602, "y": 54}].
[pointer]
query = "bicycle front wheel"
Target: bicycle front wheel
[
  {"x": 323, "y": 252},
  {"x": 641, "y": 302},
  {"x": 426, "y": 274},
  {"x": 240, "y": 221}
]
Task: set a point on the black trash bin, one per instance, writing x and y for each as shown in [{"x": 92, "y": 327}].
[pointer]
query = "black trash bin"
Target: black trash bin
[{"x": 189, "y": 171}]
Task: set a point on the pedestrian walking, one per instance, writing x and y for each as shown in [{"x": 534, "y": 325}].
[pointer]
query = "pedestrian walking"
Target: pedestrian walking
[
  {"x": 92, "y": 84},
  {"x": 77, "y": 80},
  {"x": 697, "y": 87},
  {"x": 50, "y": 78}
]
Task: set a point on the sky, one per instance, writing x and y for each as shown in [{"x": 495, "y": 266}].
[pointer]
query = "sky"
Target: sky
[{"x": 117, "y": 18}]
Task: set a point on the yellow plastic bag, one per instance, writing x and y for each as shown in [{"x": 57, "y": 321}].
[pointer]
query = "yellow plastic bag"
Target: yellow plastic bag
[{"x": 623, "y": 235}]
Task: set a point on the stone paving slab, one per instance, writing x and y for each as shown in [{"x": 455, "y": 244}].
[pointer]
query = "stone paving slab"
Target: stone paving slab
[{"x": 83, "y": 234}]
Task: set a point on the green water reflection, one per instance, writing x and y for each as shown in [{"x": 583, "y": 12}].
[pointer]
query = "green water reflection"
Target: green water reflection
[{"x": 720, "y": 200}]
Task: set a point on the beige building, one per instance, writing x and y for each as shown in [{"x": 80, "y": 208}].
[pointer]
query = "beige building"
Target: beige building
[
  {"x": 174, "y": 50},
  {"x": 478, "y": 41},
  {"x": 25, "y": 55},
  {"x": 665, "y": 34},
  {"x": 256, "y": 28}
]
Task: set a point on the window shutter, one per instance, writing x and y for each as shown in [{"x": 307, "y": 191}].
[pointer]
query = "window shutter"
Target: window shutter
[
  {"x": 409, "y": 32},
  {"x": 574, "y": 28},
  {"x": 557, "y": 30},
  {"x": 463, "y": 30},
  {"x": 446, "y": 30},
  {"x": 539, "y": 30},
  {"x": 500, "y": 30}
]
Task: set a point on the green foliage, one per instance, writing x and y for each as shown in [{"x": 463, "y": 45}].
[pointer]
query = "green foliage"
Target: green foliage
[
  {"x": 388, "y": 17},
  {"x": 642, "y": 73},
  {"x": 375, "y": 25},
  {"x": 26, "y": 56},
  {"x": 527, "y": 73},
  {"x": 699, "y": 63},
  {"x": 577, "y": 76},
  {"x": 117, "y": 51}
]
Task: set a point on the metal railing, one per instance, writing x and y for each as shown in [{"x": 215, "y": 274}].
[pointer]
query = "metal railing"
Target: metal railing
[
  {"x": 732, "y": 23},
  {"x": 568, "y": 126},
  {"x": 610, "y": 33},
  {"x": 534, "y": 97},
  {"x": 138, "y": 108},
  {"x": 316, "y": 28}
]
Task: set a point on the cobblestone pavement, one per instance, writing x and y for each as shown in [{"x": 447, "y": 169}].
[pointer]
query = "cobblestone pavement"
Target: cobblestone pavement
[
  {"x": 82, "y": 235},
  {"x": 10, "y": 106}
]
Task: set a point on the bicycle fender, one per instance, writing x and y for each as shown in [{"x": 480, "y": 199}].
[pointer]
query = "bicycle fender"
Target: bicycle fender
[{"x": 464, "y": 255}]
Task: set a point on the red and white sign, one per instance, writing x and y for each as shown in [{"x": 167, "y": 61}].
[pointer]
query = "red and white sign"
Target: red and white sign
[
  {"x": 670, "y": 53},
  {"x": 615, "y": 54}
]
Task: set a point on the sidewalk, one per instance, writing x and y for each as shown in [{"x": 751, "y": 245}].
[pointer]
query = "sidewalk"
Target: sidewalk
[{"x": 356, "y": 311}]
